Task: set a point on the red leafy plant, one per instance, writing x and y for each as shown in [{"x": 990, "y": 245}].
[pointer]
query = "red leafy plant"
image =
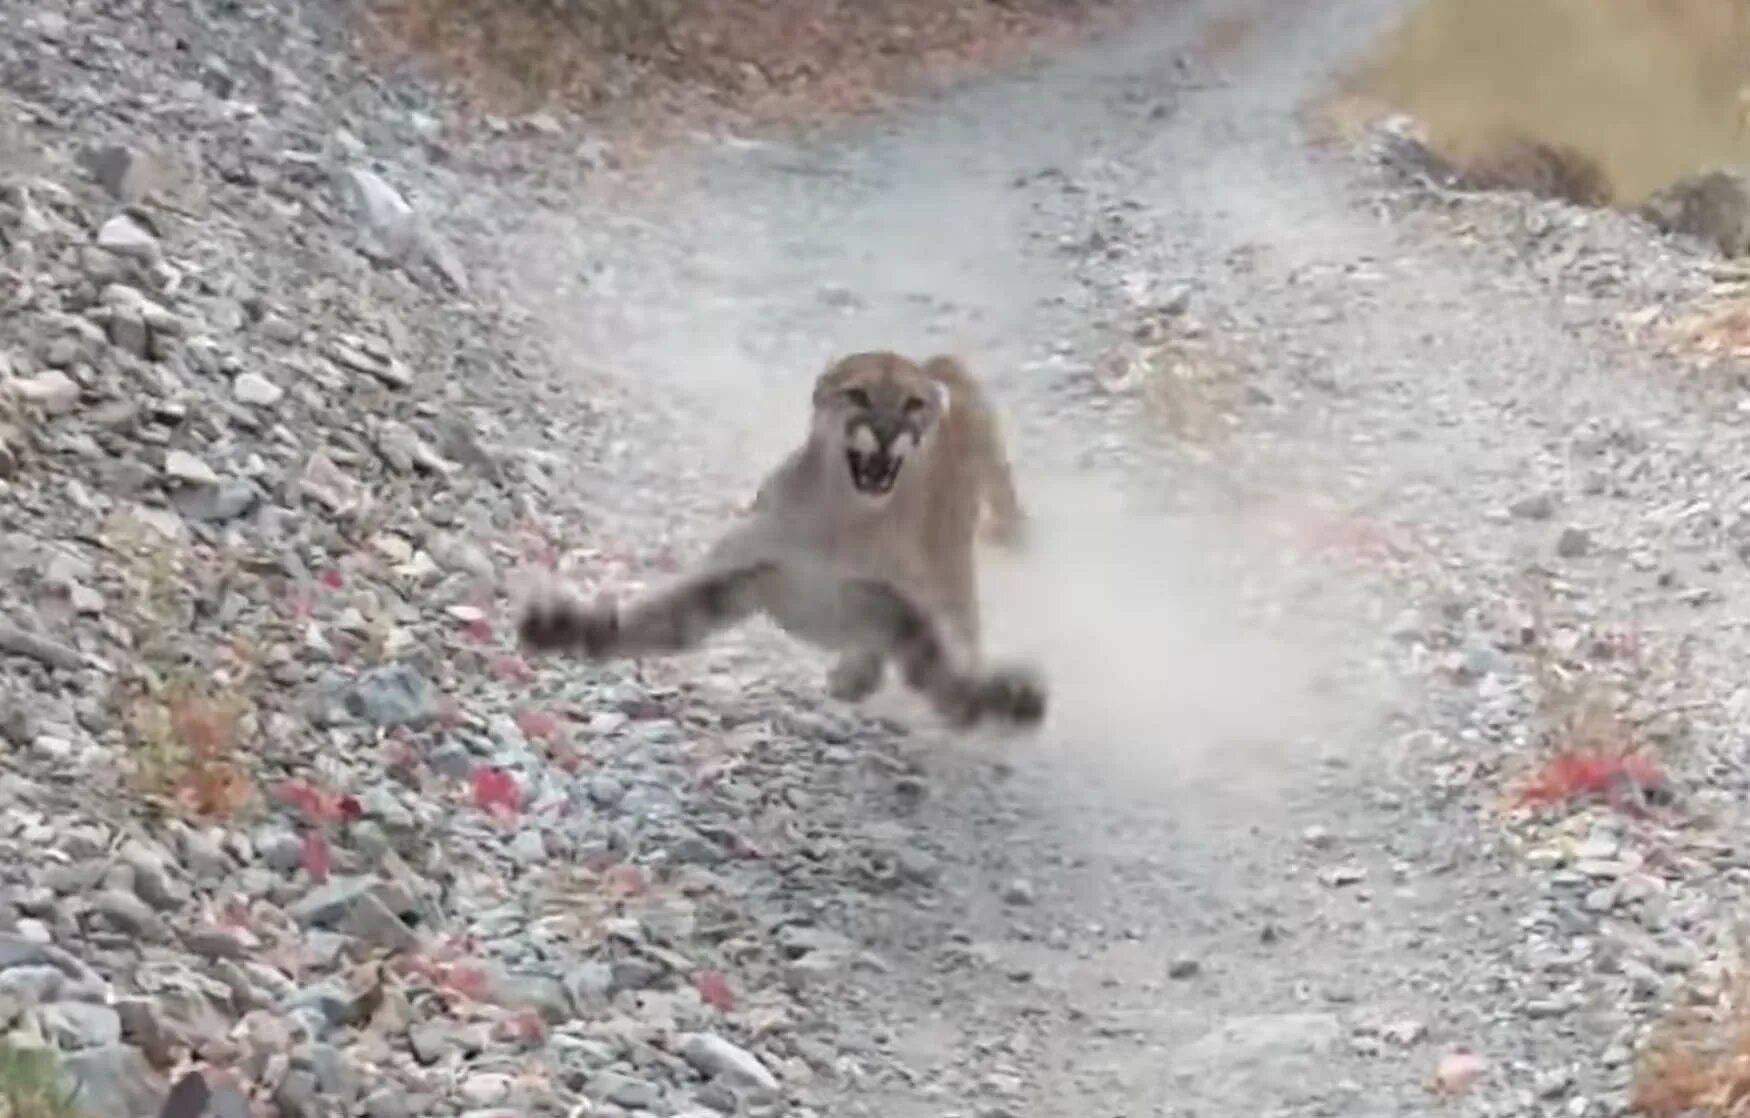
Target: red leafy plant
[
  {"x": 1591, "y": 749},
  {"x": 455, "y": 982},
  {"x": 714, "y": 991},
  {"x": 318, "y": 806},
  {"x": 494, "y": 791},
  {"x": 315, "y": 857},
  {"x": 320, "y": 809},
  {"x": 1622, "y": 778}
]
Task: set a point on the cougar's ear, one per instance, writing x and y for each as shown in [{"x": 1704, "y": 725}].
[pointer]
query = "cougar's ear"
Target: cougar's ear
[
  {"x": 947, "y": 373},
  {"x": 943, "y": 398},
  {"x": 822, "y": 388},
  {"x": 828, "y": 381}
]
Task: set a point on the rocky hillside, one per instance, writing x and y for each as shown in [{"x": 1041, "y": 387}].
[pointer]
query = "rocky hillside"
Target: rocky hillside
[{"x": 287, "y": 823}]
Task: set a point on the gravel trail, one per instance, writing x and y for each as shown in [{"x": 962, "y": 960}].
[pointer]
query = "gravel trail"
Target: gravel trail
[
  {"x": 1254, "y": 863},
  {"x": 1352, "y": 497}
]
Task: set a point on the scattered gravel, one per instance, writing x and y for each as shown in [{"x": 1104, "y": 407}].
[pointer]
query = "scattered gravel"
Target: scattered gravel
[{"x": 295, "y": 376}]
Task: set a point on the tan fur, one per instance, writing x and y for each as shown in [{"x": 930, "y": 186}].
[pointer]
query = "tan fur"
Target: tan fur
[
  {"x": 925, "y": 536},
  {"x": 876, "y": 566}
]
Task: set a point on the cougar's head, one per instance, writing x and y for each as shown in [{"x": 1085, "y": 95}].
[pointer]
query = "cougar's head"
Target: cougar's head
[{"x": 876, "y": 410}]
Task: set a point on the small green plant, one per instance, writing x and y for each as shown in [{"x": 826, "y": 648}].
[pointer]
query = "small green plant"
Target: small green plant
[{"x": 31, "y": 1084}]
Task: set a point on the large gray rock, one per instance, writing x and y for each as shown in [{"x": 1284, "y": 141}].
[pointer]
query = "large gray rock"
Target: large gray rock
[
  {"x": 401, "y": 232},
  {"x": 716, "y": 1058},
  {"x": 113, "y": 1081}
]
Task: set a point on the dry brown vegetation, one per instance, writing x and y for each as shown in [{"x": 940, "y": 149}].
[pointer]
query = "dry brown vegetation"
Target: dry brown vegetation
[
  {"x": 760, "y": 60},
  {"x": 1193, "y": 388},
  {"x": 1696, "y": 1061},
  {"x": 1644, "y": 90},
  {"x": 186, "y": 718},
  {"x": 1587, "y": 745}
]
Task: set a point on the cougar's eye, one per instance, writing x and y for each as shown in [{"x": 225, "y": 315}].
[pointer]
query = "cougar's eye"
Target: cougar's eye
[
  {"x": 857, "y": 397},
  {"x": 913, "y": 405}
]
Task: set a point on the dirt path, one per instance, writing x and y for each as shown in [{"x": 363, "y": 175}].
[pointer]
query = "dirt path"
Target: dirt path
[{"x": 1245, "y": 871}]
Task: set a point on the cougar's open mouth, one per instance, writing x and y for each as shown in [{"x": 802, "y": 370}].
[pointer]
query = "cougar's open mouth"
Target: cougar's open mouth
[{"x": 874, "y": 472}]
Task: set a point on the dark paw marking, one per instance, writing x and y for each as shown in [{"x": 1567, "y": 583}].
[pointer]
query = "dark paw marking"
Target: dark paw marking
[
  {"x": 1014, "y": 695},
  {"x": 559, "y": 623}
]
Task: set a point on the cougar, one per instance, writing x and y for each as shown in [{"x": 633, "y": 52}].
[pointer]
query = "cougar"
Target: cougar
[{"x": 861, "y": 542}]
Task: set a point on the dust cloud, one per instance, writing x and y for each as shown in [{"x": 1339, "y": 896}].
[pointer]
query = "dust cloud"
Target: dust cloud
[
  {"x": 1159, "y": 677},
  {"x": 1145, "y": 630}
]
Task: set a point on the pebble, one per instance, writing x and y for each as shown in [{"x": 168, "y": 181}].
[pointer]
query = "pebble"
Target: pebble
[
  {"x": 395, "y": 695},
  {"x": 714, "y": 1057},
  {"x": 288, "y": 475},
  {"x": 1539, "y": 506},
  {"x": 52, "y": 391},
  {"x": 124, "y": 236},
  {"x": 1574, "y": 543},
  {"x": 256, "y": 390},
  {"x": 185, "y": 467}
]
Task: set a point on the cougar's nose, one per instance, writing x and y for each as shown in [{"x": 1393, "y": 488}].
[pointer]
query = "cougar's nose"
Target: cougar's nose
[
  {"x": 863, "y": 440},
  {"x": 887, "y": 434}
]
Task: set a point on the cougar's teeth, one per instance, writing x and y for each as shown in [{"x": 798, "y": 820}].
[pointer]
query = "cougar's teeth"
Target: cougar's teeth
[{"x": 874, "y": 474}]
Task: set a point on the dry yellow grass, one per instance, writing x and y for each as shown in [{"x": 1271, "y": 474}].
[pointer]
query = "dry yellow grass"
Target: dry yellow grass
[
  {"x": 1191, "y": 385},
  {"x": 1717, "y": 330},
  {"x": 1650, "y": 90}
]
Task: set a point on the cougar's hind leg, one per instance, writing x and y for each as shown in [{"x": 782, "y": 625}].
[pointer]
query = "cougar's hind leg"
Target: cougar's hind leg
[
  {"x": 912, "y": 638},
  {"x": 996, "y": 480},
  {"x": 1009, "y": 522},
  {"x": 962, "y": 620}
]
